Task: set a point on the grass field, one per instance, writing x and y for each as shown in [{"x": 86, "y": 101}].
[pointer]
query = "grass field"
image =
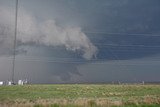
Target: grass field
[{"x": 75, "y": 95}]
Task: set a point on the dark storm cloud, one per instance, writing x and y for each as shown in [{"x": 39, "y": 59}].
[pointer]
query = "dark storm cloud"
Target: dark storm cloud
[
  {"x": 126, "y": 47},
  {"x": 109, "y": 16},
  {"x": 138, "y": 18},
  {"x": 121, "y": 31},
  {"x": 44, "y": 71}
]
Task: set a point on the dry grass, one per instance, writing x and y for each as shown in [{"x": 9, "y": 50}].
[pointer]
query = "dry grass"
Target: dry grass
[
  {"x": 79, "y": 95},
  {"x": 81, "y": 102}
]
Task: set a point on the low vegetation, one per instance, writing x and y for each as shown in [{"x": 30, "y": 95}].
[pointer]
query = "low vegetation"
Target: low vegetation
[{"x": 80, "y": 95}]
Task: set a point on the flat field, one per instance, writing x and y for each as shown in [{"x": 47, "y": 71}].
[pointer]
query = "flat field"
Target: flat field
[{"x": 80, "y": 95}]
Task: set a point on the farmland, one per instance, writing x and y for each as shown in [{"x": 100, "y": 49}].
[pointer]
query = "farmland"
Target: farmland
[{"x": 80, "y": 95}]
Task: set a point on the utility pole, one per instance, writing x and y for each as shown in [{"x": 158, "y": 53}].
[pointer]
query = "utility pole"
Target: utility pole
[{"x": 15, "y": 42}]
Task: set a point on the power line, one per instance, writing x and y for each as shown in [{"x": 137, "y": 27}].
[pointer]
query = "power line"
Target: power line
[
  {"x": 65, "y": 58},
  {"x": 116, "y": 34},
  {"x": 92, "y": 61},
  {"x": 96, "y": 62},
  {"x": 118, "y": 45},
  {"x": 113, "y": 45}
]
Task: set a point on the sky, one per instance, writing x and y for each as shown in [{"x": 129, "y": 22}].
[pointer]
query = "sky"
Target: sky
[{"x": 79, "y": 41}]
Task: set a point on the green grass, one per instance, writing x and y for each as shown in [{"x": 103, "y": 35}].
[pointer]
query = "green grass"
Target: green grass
[{"x": 81, "y": 95}]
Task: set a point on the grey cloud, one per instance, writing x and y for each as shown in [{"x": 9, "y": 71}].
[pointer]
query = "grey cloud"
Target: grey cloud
[{"x": 46, "y": 33}]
